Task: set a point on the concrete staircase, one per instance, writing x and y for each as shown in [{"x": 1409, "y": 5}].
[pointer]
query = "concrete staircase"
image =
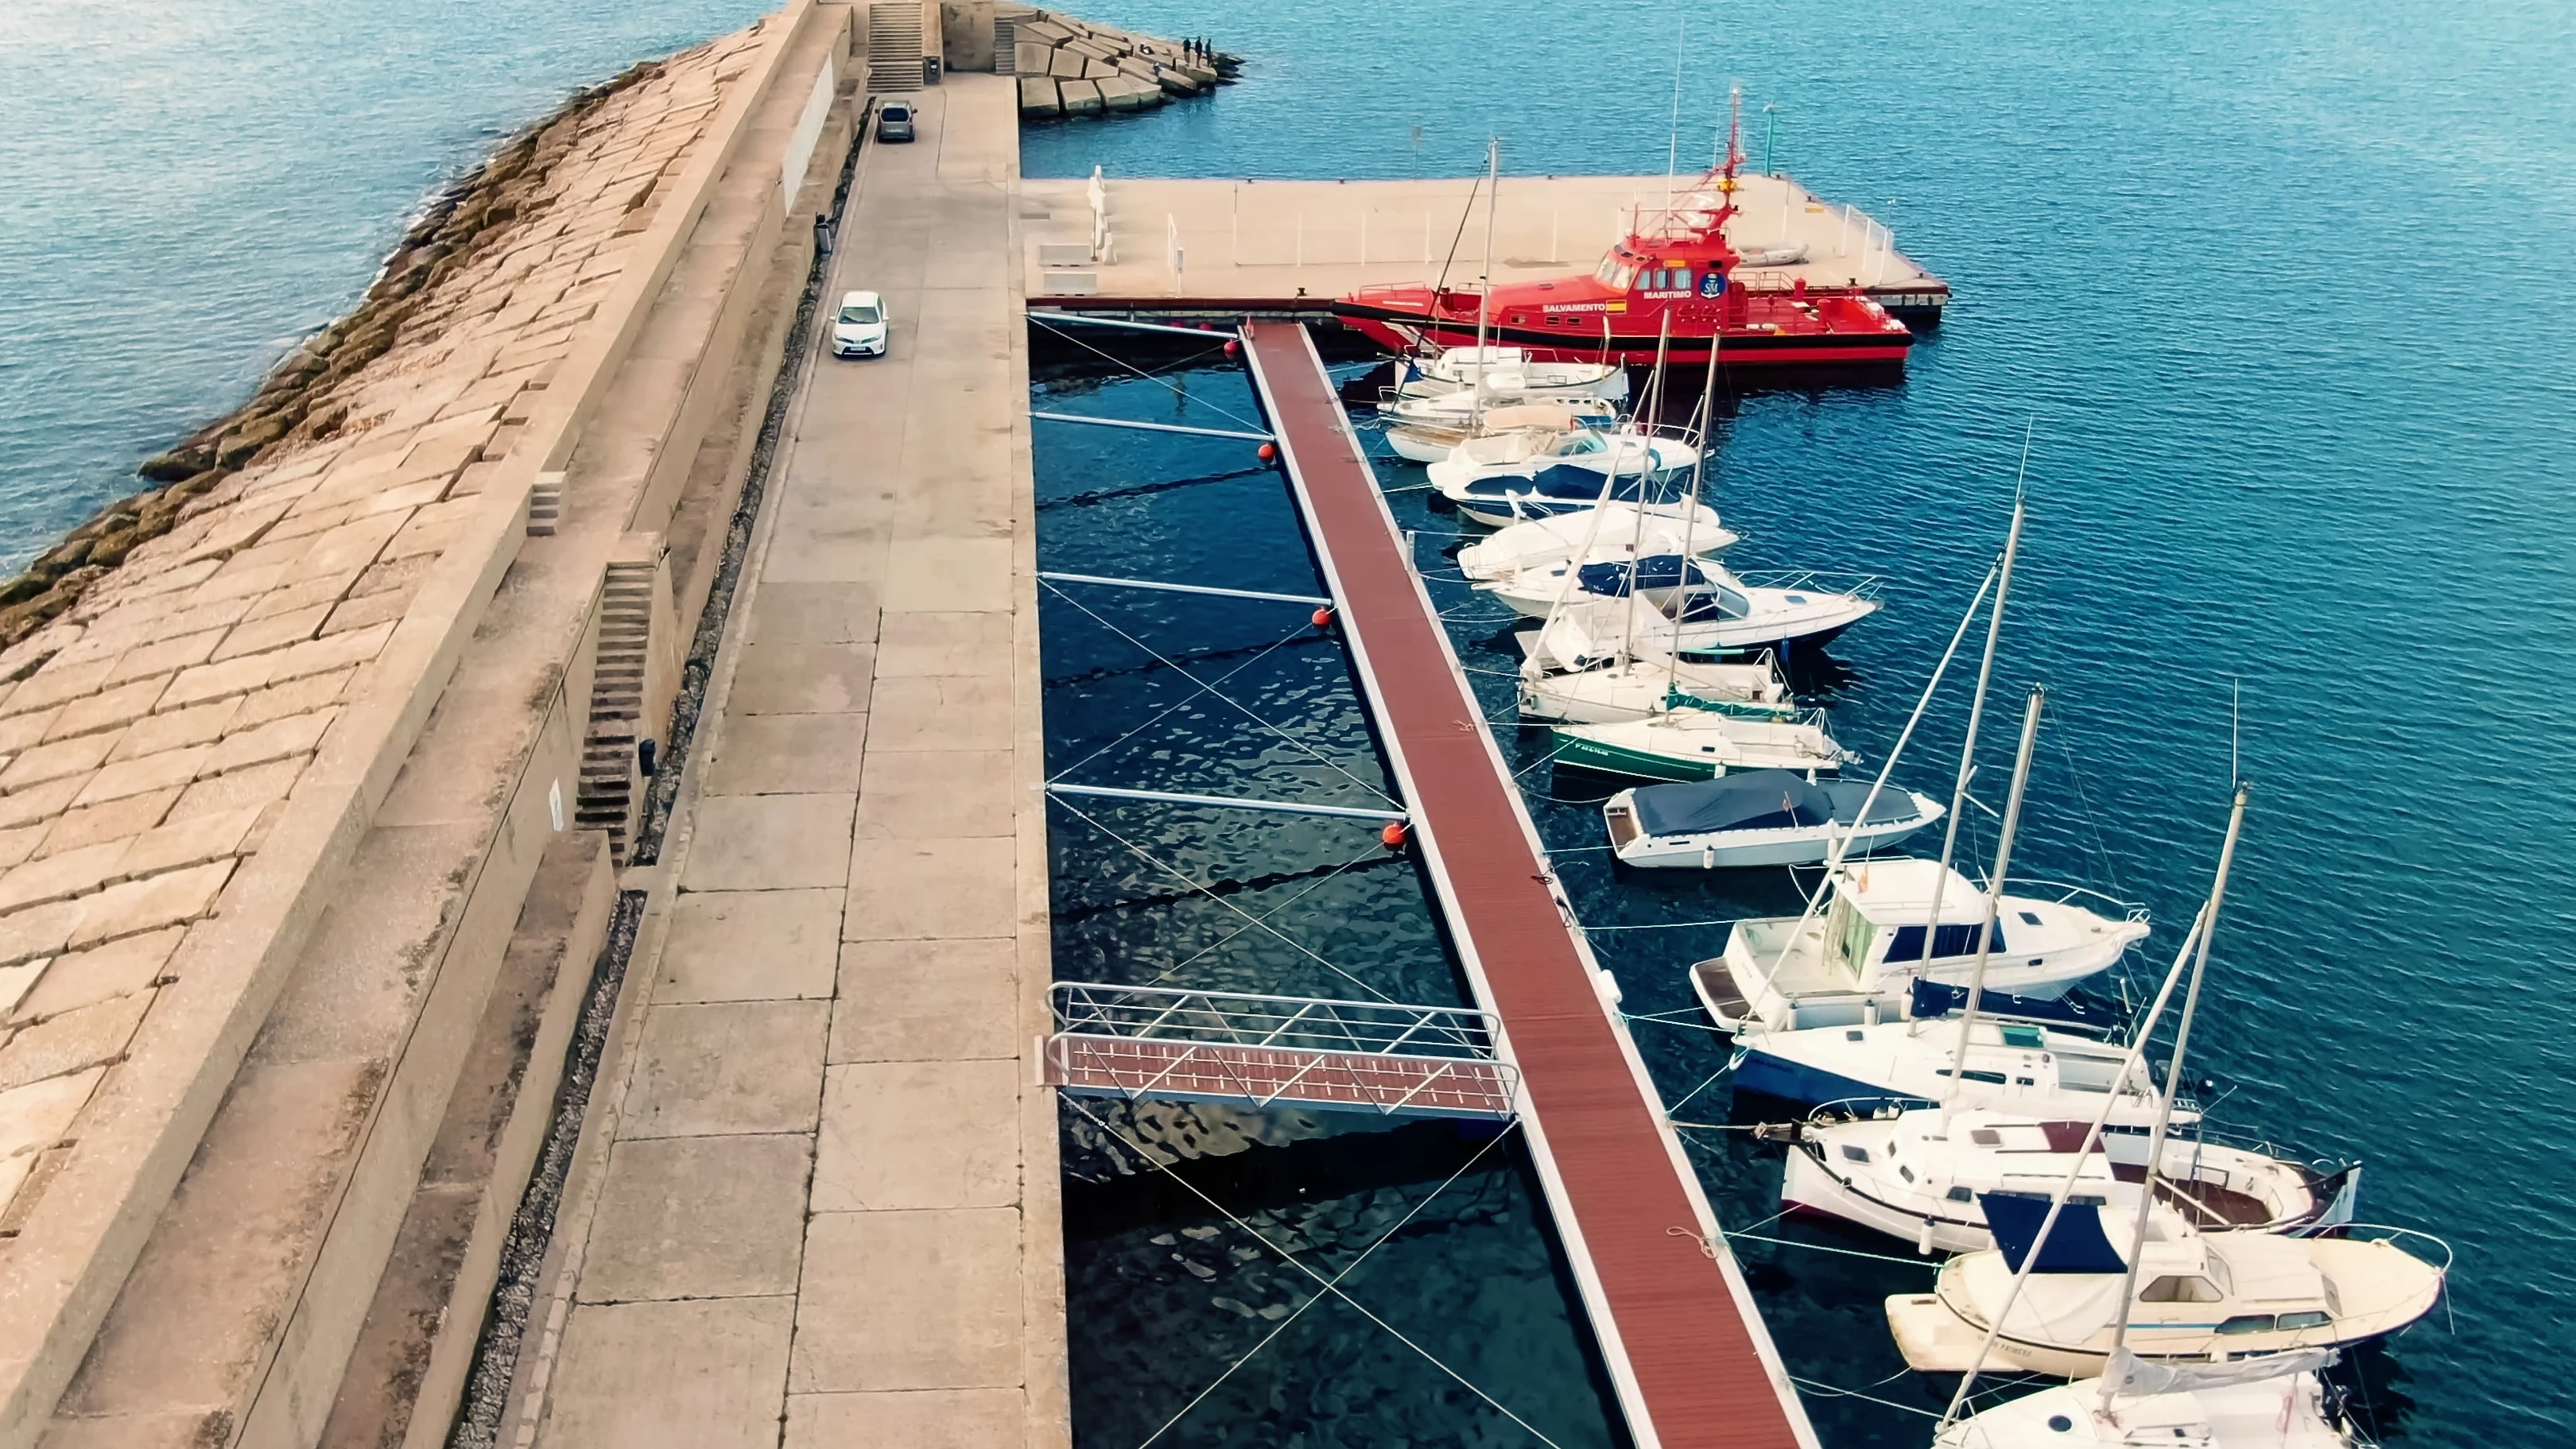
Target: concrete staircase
[
  {"x": 894, "y": 46},
  {"x": 609, "y": 771},
  {"x": 1006, "y": 42}
]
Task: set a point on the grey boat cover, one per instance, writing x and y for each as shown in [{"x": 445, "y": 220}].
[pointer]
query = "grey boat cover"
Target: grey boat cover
[{"x": 1761, "y": 800}]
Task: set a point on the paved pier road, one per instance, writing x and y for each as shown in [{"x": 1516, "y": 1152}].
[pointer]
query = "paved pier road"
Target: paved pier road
[{"x": 831, "y": 1192}]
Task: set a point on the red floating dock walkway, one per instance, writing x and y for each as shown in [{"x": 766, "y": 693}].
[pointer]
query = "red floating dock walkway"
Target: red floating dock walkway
[{"x": 1686, "y": 1349}]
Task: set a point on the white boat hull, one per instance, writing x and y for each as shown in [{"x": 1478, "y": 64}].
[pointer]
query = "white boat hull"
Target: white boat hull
[
  {"x": 1737, "y": 849},
  {"x": 2288, "y": 1412}
]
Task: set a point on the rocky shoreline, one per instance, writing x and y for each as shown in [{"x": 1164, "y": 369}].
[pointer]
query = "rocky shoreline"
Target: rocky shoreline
[{"x": 297, "y": 402}]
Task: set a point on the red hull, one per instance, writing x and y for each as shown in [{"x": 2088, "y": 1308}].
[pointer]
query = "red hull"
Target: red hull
[{"x": 1404, "y": 331}]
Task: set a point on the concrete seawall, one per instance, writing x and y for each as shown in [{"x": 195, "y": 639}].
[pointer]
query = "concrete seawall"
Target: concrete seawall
[{"x": 311, "y": 808}]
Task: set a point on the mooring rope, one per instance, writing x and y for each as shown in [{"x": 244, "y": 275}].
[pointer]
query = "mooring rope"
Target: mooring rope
[{"x": 1330, "y": 1285}]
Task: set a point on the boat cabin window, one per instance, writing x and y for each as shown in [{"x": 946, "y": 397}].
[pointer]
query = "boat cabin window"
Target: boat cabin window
[
  {"x": 1985, "y": 1137},
  {"x": 2306, "y": 1318},
  {"x": 1948, "y": 941},
  {"x": 1850, "y": 934},
  {"x": 2027, "y": 1038},
  {"x": 2185, "y": 1288},
  {"x": 1905, "y": 1172},
  {"x": 2248, "y": 1323},
  {"x": 1855, "y": 1154},
  {"x": 1961, "y": 1194},
  {"x": 1991, "y": 1079},
  {"x": 2030, "y": 916},
  {"x": 1615, "y": 273}
]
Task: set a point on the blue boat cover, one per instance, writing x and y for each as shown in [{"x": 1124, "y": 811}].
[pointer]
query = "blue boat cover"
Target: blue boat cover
[
  {"x": 1934, "y": 999},
  {"x": 1654, "y": 571},
  {"x": 1560, "y": 480},
  {"x": 2075, "y": 1243},
  {"x": 1748, "y": 800}
]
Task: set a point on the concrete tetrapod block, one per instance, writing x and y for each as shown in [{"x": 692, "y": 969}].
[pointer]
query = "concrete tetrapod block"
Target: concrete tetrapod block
[
  {"x": 1081, "y": 98},
  {"x": 1065, "y": 65},
  {"x": 1045, "y": 32},
  {"x": 1038, "y": 95},
  {"x": 1031, "y": 58}
]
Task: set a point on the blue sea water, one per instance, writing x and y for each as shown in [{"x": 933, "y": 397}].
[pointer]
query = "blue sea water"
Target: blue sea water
[
  {"x": 2280, "y": 294},
  {"x": 188, "y": 189},
  {"x": 2280, "y": 291}
]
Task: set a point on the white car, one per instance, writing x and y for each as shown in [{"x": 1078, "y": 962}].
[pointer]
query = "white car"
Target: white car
[{"x": 859, "y": 329}]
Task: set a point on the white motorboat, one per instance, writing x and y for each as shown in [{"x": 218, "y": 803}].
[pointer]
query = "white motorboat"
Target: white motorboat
[
  {"x": 2205, "y": 1296},
  {"x": 1757, "y": 817},
  {"x": 1506, "y": 372},
  {"x": 1701, "y": 744},
  {"x": 1627, "y": 529},
  {"x": 2276, "y": 1402},
  {"x": 1718, "y": 611},
  {"x": 1919, "y": 1176},
  {"x": 1859, "y": 959},
  {"x": 2040, "y": 1059},
  {"x": 1427, "y": 430},
  {"x": 1513, "y": 477}
]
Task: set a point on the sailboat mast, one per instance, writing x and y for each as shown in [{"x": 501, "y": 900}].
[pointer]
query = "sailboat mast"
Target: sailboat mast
[
  {"x": 1690, "y": 518},
  {"x": 1645, "y": 480},
  {"x": 1976, "y": 717},
  {"x": 2173, "y": 1085},
  {"x": 1994, "y": 901},
  {"x": 1485, "y": 293}
]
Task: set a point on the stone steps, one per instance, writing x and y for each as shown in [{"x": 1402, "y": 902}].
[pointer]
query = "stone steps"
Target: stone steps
[
  {"x": 894, "y": 46},
  {"x": 609, "y": 772}
]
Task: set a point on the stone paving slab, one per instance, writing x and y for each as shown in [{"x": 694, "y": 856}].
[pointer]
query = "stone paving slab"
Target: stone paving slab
[{"x": 866, "y": 774}]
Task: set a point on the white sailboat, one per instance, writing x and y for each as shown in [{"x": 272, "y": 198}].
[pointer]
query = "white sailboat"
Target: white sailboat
[
  {"x": 1698, "y": 744},
  {"x": 1427, "y": 430},
  {"x": 1512, "y": 477},
  {"x": 1505, "y": 372},
  {"x": 1859, "y": 961},
  {"x": 1920, "y": 1176},
  {"x": 2277, "y": 1402},
  {"x": 1697, "y": 606},
  {"x": 1630, "y": 529},
  {"x": 2206, "y": 1296},
  {"x": 2058, "y": 1294},
  {"x": 1581, "y": 667}
]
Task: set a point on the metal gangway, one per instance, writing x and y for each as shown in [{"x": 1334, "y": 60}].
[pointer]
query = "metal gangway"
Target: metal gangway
[{"x": 1262, "y": 1051}]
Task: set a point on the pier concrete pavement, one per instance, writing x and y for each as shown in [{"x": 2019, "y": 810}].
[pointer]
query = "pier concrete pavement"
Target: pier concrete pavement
[{"x": 828, "y": 1195}]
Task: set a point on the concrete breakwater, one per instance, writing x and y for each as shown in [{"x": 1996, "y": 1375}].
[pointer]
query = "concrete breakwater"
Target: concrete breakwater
[
  {"x": 1067, "y": 67},
  {"x": 305, "y": 398},
  {"x": 317, "y": 761}
]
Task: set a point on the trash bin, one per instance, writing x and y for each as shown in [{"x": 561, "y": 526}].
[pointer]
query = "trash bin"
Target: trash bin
[{"x": 930, "y": 70}]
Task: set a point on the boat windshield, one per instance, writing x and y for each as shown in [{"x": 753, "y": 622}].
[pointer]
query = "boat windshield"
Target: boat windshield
[
  {"x": 1614, "y": 273},
  {"x": 1573, "y": 443},
  {"x": 860, "y": 313}
]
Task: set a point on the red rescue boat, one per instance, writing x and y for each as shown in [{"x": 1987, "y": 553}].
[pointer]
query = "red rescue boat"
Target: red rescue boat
[{"x": 1674, "y": 264}]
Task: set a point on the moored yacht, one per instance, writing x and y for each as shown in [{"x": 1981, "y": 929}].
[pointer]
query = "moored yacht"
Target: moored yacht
[
  {"x": 1427, "y": 430},
  {"x": 1857, "y": 961},
  {"x": 2277, "y": 1402},
  {"x": 1627, "y": 529},
  {"x": 1701, "y": 744},
  {"x": 1512, "y": 477},
  {"x": 1507, "y": 373},
  {"x": 2204, "y": 1296},
  {"x": 1758, "y": 817},
  {"x": 1920, "y": 1176},
  {"x": 2035, "y": 1058}
]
